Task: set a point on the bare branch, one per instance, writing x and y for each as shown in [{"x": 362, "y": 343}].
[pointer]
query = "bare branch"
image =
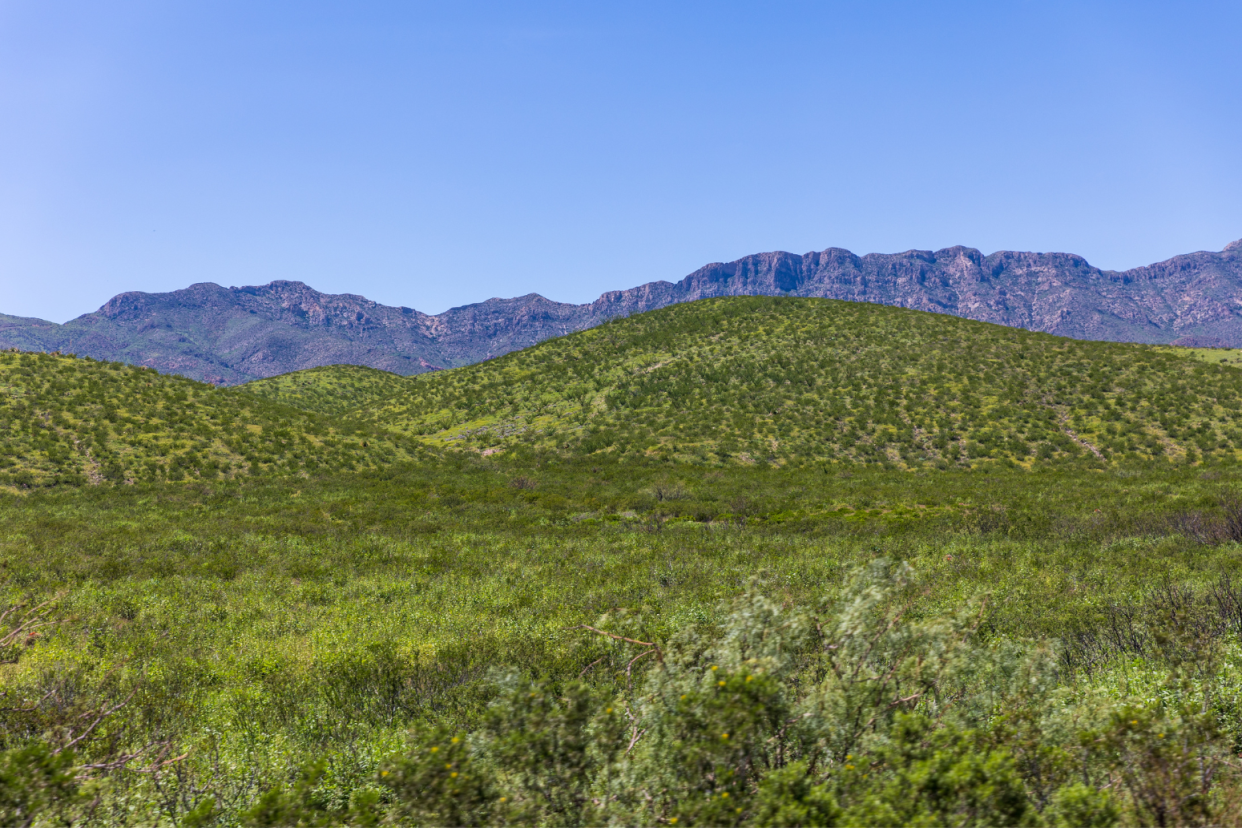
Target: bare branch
[
  {"x": 100, "y": 715},
  {"x": 34, "y": 706},
  {"x": 655, "y": 648},
  {"x": 587, "y": 668}
]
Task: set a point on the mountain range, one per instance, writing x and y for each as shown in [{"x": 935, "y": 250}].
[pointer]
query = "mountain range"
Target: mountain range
[{"x": 237, "y": 334}]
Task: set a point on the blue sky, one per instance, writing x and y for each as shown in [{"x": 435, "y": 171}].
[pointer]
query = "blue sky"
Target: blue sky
[{"x": 436, "y": 154}]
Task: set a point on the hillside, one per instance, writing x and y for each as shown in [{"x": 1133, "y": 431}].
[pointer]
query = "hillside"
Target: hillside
[
  {"x": 1215, "y": 356},
  {"x": 232, "y": 335},
  {"x": 787, "y": 380},
  {"x": 68, "y": 421},
  {"x": 333, "y": 389}
]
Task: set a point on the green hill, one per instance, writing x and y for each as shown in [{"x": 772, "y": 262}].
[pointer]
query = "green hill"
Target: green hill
[
  {"x": 783, "y": 380},
  {"x": 737, "y": 380},
  {"x": 70, "y": 421},
  {"x": 333, "y": 389}
]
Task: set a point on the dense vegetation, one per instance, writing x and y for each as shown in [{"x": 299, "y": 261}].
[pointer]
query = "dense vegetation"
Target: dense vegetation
[
  {"x": 256, "y": 627},
  {"x": 741, "y": 380},
  {"x": 806, "y": 380},
  {"x": 335, "y": 389},
  {"x": 577, "y": 631},
  {"x": 69, "y": 422}
]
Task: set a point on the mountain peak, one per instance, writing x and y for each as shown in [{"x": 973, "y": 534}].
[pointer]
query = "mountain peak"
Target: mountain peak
[{"x": 1237, "y": 245}]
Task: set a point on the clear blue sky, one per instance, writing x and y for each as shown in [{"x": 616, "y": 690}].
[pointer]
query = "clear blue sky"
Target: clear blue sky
[{"x": 436, "y": 154}]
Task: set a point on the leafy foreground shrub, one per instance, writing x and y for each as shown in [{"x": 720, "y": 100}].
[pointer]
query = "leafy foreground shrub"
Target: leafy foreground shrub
[
  {"x": 859, "y": 714},
  {"x": 35, "y": 780}
]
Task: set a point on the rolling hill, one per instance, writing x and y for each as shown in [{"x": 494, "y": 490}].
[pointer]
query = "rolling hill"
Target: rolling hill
[
  {"x": 783, "y": 380},
  {"x": 745, "y": 380},
  {"x": 236, "y": 334},
  {"x": 71, "y": 421},
  {"x": 333, "y": 389}
]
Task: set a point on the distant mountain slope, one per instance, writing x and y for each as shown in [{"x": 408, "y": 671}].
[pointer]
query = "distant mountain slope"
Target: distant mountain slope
[
  {"x": 66, "y": 421},
  {"x": 231, "y": 335},
  {"x": 28, "y": 334},
  {"x": 789, "y": 380},
  {"x": 1195, "y": 295}
]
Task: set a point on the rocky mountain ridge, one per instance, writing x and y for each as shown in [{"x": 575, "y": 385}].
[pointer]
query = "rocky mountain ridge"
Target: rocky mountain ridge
[{"x": 232, "y": 335}]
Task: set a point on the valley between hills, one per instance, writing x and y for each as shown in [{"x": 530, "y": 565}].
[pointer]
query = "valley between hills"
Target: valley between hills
[{"x": 743, "y": 560}]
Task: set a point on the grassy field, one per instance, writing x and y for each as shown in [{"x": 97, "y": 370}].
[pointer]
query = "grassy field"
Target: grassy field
[
  {"x": 376, "y": 625},
  {"x": 1212, "y": 356},
  {"x": 263, "y": 625}
]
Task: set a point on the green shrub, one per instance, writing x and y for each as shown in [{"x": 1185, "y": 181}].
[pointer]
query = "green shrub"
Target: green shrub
[
  {"x": 36, "y": 781},
  {"x": 856, "y": 715},
  {"x": 441, "y": 782}
]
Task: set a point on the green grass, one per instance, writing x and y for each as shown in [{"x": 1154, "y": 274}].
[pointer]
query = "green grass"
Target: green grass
[
  {"x": 1213, "y": 356},
  {"x": 272, "y": 624},
  {"x": 771, "y": 380},
  {"x": 70, "y": 422}
]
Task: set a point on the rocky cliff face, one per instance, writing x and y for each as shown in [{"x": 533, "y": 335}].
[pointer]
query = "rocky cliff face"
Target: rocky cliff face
[
  {"x": 231, "y": 335},
  {"x": 1199, "y": 294}
]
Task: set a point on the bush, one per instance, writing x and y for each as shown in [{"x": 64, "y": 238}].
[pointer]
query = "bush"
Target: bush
[
  {"x": 35, "y": 781},
  {"x": 858, "y": 715}
]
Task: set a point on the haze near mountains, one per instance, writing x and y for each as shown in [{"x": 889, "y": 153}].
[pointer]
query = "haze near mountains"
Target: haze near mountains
[{"x": 233, "y": 335}]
